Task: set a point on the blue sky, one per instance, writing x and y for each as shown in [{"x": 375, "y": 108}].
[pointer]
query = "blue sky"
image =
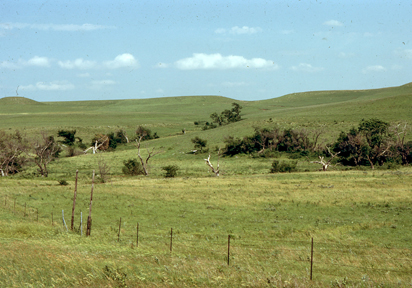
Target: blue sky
[{"x": 245, "y": 50}]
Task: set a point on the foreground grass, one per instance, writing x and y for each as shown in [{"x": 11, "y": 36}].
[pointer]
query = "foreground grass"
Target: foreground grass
[{"x": 360, "y": 223}]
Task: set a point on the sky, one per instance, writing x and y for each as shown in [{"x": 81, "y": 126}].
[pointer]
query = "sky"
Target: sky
[{"x": 245, "y": 50}]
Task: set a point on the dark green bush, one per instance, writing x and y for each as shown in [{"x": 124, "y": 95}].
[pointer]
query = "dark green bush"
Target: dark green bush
[
  {"x": 132, "y": 167},
  {"x": 171, "y": 170},
  {"x": 282, "y": 167}
]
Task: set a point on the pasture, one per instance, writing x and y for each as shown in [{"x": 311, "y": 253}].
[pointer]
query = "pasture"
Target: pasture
[{"x": 359, "y": 219}]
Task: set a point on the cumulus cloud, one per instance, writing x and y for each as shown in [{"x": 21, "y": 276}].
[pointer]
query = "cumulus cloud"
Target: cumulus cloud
[
  {"x": 373, "y": 68},
  {"x": 305, "y": 67},
  {"x": 51, "y": 86},
  {"x": 54, "y": 27},
  {"x": 79, "y": 63},
  {"x": 239, "y": 30},
  {"x": 217, "y": 61},
  {"x": 123, "y": 60},
  {"x": 35, "y": 61},
  {"x": 39, "y": 61},
  {"x": 334, "y": 23}
]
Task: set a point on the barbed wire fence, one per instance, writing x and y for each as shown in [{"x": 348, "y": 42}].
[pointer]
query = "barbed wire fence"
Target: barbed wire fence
[{"x": 315, "y": 257}]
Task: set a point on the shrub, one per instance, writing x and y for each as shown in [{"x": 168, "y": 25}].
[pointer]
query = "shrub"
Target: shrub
[
  {"x": 132, "y": 167},
  {"x": 171, "y": 170},
  {"x": 63, "y": 183},
  {"x": 282, "y": 167}
]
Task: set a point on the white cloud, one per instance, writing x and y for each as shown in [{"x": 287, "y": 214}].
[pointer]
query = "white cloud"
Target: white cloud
[
  {"x": 79, "y": 63},
  {"x": 373, "y": 68},
  {"x": 51, "y": 86},
  {"x": 406, "y": 53},
  {"x": 123, "y": 60},
  {"x": 35, "y": 61},
  {"x": 305, "y": 67},
  {"x": 217, "y": 61},
  {"x": 54, "y": 27},
  {"x": 9, "y": 65},
  {"x": 239, "y": 30},
  {"x": 39, "y": 61},
  {"x": 100, "y": 84},
  {"x": 334, "y": 23}
]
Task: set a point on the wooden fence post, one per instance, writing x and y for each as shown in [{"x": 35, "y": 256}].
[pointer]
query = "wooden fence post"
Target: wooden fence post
[
  {"x": 311, "y": 260},
  {"x": 137, "y": 234},
  {"x": 171, "y": 239},
  {"x": 89, "y": 219},
  {"x": 228, "y": 250},
  {"x": 120, "y": 225},
  {"x": 74, "y": 201}
]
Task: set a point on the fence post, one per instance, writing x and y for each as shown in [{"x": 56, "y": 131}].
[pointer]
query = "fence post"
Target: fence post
[
  {"x": 311, "y": 260},
  {"x": 228, "y": 250},
  {"x": 89, "y": 219},
  {"x": 118, "y": 235},
  {"x": 64, "y": 222},
  {"x": 171, "y": 239},
  {"x": 74, "y": 201},
  {"x": 137, "y": 234},
  {"x": 81, "y": 223}
]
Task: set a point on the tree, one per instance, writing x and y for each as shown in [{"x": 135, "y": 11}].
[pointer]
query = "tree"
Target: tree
[
  {"x": 325, "y": 164},
  {"x": 99, "y": 142},
  {"x": 68, "y": 135},
  {"x": 132, "y": 167},
  {"x": 208, "y": 163},
  {"x": 13, "y": 148},
  {"x": 404, "y": 150},
  {"x": 379, "y": 141},
  {"x": 352, "y": 147},
  {"x": 218, "y": 119},
  {"x": 150, "y": 155},
  {"x": 199, "y": 143},
  {"x": 46, "y": 150},
  {"x": 145, "y": 134}
]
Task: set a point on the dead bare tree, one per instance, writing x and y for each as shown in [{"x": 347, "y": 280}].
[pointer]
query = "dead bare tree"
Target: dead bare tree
[
  {"x": 150, "y": 154},
  {"x": 325, "y": 164},
  {"x": 216, "y": 171},
  {"x": 101, "y": 141},
  {"x": 45, "y": 150}
]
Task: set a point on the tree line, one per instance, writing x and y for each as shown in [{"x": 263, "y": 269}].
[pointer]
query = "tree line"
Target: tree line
[
  {"x": 17, "y": 151},
  {"x": 373, "y": 142}
]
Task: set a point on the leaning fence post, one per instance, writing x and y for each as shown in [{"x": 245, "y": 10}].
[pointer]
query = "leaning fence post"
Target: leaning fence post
[
  {"x": 228, "y": 250},
  {"x": 64, "y": 222},
  {"x": 311, "y": 259}
]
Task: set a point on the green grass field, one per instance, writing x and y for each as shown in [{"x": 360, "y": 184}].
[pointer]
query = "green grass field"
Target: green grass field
[{"x": 360, "y": 220}]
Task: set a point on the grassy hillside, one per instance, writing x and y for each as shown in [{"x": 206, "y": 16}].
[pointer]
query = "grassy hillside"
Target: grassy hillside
[{"x": 359, "y": 219}]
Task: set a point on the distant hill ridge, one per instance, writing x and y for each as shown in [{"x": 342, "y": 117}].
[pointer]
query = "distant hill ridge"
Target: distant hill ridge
[{"x": 19, "y": 101}]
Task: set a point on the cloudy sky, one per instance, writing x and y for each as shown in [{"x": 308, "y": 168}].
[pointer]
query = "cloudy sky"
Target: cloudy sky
[{"x": 246, "y": 50}]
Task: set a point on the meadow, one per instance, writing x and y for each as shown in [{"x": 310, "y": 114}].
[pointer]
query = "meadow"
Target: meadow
[{"x": 359, "y": 219}]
